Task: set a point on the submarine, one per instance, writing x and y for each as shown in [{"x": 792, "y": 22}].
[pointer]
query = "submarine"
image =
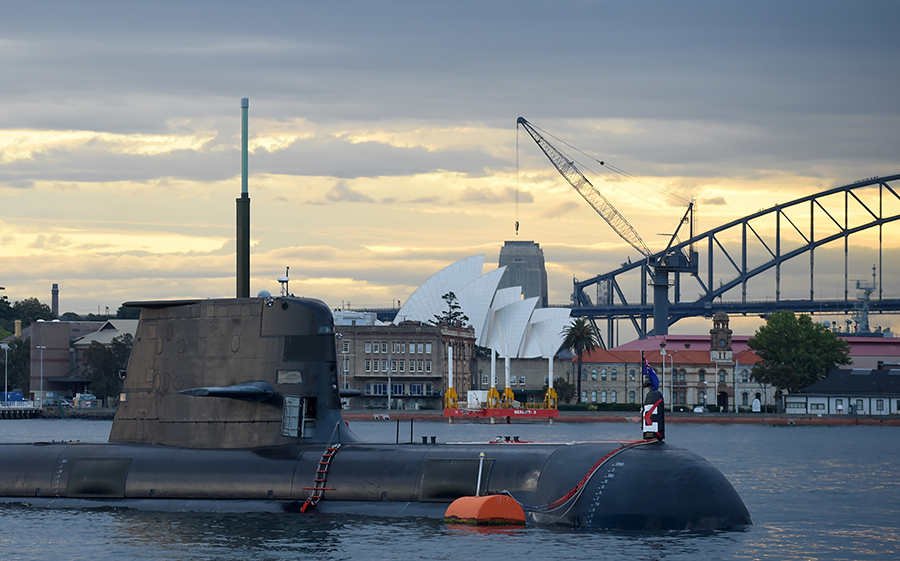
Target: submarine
[{"x": 233, "y": 405}]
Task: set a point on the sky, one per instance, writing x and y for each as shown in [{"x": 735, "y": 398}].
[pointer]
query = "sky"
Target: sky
[{"x": 383, "y": 138}]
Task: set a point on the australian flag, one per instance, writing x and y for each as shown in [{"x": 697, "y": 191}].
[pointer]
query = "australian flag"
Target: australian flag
[{"x": 650, "y": 373}]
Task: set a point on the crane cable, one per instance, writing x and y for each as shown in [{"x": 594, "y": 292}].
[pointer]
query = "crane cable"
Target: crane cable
[{"x": 517, "y": 180}]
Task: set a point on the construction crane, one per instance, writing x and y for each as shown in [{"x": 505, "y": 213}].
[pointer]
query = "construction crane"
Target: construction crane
[{"x": 661, "y": 264}]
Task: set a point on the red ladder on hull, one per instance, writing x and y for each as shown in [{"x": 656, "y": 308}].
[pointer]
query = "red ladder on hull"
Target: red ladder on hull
[{"x": 318, "y": 490}]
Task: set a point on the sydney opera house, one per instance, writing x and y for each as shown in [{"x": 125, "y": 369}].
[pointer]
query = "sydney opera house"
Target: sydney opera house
[{"x": 416, "y": 360}]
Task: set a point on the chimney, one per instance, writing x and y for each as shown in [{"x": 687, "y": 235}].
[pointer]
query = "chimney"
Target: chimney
[
  {"x": 54, "y": 300},
  {"x": 18, "y": 329}
]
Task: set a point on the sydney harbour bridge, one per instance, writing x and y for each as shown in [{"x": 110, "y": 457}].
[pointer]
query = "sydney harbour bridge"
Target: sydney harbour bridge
[{"x": 765, "y": 262}]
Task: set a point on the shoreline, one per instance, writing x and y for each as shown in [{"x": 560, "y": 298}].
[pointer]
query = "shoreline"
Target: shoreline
[
  {"x": 634, "y": 417},
  {"x": 106, "y": 414}
]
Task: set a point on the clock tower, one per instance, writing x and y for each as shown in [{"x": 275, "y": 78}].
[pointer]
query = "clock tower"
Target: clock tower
[{"x": 720, "y": 339}]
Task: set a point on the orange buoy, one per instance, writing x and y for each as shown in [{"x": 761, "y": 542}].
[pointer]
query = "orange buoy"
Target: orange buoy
[{"x": 490, "y": 510}]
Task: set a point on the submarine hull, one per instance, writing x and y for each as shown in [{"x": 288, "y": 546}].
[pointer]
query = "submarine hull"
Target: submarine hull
[{"x": 642, "y": 485}]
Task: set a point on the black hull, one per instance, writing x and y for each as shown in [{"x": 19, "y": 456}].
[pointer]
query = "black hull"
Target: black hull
[{"x": 643, "y": 486}]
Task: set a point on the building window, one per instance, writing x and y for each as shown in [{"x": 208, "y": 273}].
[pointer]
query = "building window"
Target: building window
[
  {"x": 427, "y": 348},
  {"x": 412, "y": 348},
  {"x": 879, "y": 405},
  {"x": 594, "y": 396},
  {"x": 631, "y": 396},
  {"x": 631, "y": 374},
  {"x": 368, "y": 347},
  {"x": 346, "y": 346},
  {"x": 379, "y": 389},
  {"x": 521, "y": 380},
  {"x": 368, "y": 403},
  {"x": 745, "y": 376},
  {"x": 427, "y": 366},
  {"x": 745, "y": 399},
  {"x": 603, "y": 374},
  {"x": 421, "y": 366},
  {"x": 702, "y": 375},
  {"x": 397, "y": 389},
  {"x": 384, "y": 348},
  {"x": 817, "y": 406},
  {"x": 416, "y": 389},
  {"x": 376, "y": 348},
  {"x": 859, "y": 406},
  {"x": 384, "y": 366},
  {"x": 403, "y": 347},
  {"x": 614, "y": 397},
  {"x": 681, "y": 375},
  {"x": 584, "y": 375},
  {"x": 603, "y": 396},
  {"x": 484, "y": 379},
  {"x": 583, "y": 396},
  {"x": 402, "y": 366},
  {"x": 346, "y": 365},
  {"x": 393, "y": 366},
  {"x": 420, "y": 348},
  {"x": 721, "y": 376},
  {"x": 683, "y": 397},
  {"x": 594, "y": 374},
  {"x": 368, "y": 366},
  {"x": 512, "y": 381},
  {"x": 612, "y": 375}
]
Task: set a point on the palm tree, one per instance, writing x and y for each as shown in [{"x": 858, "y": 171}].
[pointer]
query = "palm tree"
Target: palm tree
[{"x": 580, "y": 337}]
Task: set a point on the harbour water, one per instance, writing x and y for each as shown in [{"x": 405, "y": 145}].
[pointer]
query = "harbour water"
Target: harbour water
[{"x": 813, "y": 492}]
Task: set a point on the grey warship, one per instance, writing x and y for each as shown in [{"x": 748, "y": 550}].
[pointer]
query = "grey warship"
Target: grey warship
[{"x": 233, "y": 405}]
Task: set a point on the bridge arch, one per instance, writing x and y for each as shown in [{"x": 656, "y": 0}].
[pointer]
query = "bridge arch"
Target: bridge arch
[{"x": 744, "y": 249}]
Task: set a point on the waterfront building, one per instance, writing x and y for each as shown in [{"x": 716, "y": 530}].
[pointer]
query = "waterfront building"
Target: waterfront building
[
  {"x": 403, "y": 366},
  {"x": 528, "y": 376},
  {"x": 57, "y": 354},
  {"x": 861, "y": 391},
  {"x": 695, "y": 370}
]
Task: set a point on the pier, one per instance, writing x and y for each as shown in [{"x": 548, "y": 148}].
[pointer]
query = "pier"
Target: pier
[{"x": 19, "y": 410}]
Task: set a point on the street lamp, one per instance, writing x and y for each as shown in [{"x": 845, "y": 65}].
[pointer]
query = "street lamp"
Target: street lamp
[
  {"x": 42, "y": 347},
  {"x": 662, "y": 387},
  {"x": 5, "y": 348},
  {"x": 705, "y": 393},
  {"x": 672, "y": 383}
]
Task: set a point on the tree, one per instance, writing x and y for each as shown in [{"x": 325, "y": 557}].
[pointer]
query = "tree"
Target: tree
[
  {"x": 580, "y": 337},
  {"x": 27, "y": 310},
  {"x": 565, "y": 391},
  {"x": 128, "y": 312},
  {"x": 19, "y": 364},
  {"x": 453, "y": 314},
  {"x": 795, "y": 351},
  {"x": 70, "y": 316},
  {"x": 103, "y": 365}
]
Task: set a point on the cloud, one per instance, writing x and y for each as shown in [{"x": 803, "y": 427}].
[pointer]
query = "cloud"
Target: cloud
[
  {"x": 713, "y": 201},
  {"x": 560, "y": 209},
  {"x": 342, "y": 193},
  {"x": 424, "y": 200},
  {"x": 489, "y": 196}
]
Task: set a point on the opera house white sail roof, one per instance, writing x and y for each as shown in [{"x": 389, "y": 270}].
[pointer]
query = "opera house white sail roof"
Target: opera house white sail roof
[{"x": 502, "y": 320}]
